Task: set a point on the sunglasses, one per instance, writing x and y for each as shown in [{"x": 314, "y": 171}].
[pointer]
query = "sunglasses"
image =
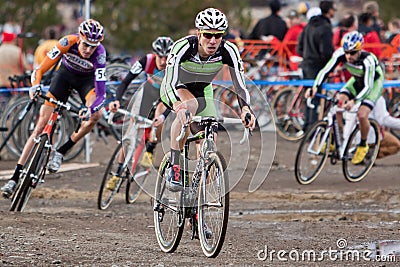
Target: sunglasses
[
  {"x": 209, "y": 35},
  {"x": 352, "y": 53},
  {"x": 86, "y": 45}
]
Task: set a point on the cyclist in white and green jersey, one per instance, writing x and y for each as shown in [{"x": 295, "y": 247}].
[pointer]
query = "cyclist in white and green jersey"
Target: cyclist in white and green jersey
[
  {"x": 191, "y": 66},
  {"x": 366, "y": 83}
]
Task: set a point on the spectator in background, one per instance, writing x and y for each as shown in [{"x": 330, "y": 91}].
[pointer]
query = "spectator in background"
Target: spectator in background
[
  {"x": 272, "y": 25},
  {"x": 371, "y": 37},
  {"x": 394, "y": 33},
  {"x": 316, "y": 47},
  {"x": 302, "y": 9},
  {"x": 312, "y": 12},
  {"x": 389, "y": 144},
  {"x": 347, "y": 24},
  {"x": 12, "y": 59},
  {"x": 235, "y": 35},
  {"x": 45, "y": 45},
  {"x": 290, "y": 40},
  {"x": 372, "y": 7}
]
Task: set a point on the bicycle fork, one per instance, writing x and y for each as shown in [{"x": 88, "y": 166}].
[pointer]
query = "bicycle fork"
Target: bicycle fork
[{"x": 39, "y": 177}]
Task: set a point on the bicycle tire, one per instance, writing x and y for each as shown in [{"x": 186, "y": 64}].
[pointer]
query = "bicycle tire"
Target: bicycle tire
[
  {"x": 288, "y": 127},
  {"x": 315, "y": 161},
  {"x": 169, "y": 219},
  {"x": 9, "y": 119},
  {"x": 106, "y": 196},
  {"x": 137, "y": 177},
  {"x": 212, "y": 233},
  {"x": 355, "y": 173},
  {"x": 24, "y": 190},
  {"x": 39, "y": 171}
]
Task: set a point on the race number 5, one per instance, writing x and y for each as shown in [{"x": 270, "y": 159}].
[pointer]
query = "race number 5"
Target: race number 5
[{"x": 101, "y": 74}]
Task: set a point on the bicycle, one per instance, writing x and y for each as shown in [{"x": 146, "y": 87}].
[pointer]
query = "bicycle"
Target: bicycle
[
  {"x": 34, "y": 169},
  {"x": 288, "y": 109},
  {"x": 324, "y": 139},
  {"x": 20, "y": 118},
  {"x": 289, "y": 106},
  {"x": 133, "y": 147},
  {"x": 227, "y": 104},
  {"x": 204, "y": 198}
]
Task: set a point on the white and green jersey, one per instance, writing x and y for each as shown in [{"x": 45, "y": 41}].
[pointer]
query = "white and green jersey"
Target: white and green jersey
[
  {"x": 185, "y": 69},
  {"x": 367, "y": 78}
]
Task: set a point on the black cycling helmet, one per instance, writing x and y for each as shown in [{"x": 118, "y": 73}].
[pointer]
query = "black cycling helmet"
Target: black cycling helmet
[{"x": 162, "y": 46}]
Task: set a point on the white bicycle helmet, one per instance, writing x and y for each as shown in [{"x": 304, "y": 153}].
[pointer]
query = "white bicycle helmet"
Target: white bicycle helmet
[
  {"x": 162, "y": 46},
  {"x": 211, "y": 18},
  {"x": 352, "y": 41}
]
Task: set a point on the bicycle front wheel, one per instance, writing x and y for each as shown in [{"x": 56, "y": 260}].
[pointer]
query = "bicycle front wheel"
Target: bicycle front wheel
[
  {"x": 355, "y": 173},
  {"x": 213, "y": 207},
  {"x": 34, "y": 169},
  {"x": 289, "y": 116},
  {"x": 168, "y": 212},
  {"x": 312, "y": 153},
  {"x": 106, "y": 195}
]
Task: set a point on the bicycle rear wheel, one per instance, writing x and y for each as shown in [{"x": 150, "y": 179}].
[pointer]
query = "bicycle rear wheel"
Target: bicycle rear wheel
[
  {"x": 9, "y": 119},
  {"x": 311, "y": 156},
  {"x": 106, "y": 196},
  {"x": 355, "y": 173},
  {"x": 213, "y": 207},
  {"x": 34, "y": 168},
  {"x": 168, "y": 212},
  {"x": 289, "y": 119}
]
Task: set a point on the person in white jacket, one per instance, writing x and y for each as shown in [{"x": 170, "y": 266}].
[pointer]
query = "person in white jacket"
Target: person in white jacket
[{"x": 389, "y": 144}]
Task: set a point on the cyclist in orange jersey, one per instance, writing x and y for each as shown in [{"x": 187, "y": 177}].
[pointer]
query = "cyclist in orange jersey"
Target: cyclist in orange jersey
[{"x": 83, "y": 65}]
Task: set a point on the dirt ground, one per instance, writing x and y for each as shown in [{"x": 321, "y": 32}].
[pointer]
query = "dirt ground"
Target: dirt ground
[{"x": 61, "y": 226}]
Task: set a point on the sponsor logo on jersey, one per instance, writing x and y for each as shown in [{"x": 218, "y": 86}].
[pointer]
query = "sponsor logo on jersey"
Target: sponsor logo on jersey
[
  {"x": 78, "y": 63},
  {"x": 215, "y": 59},
  {"x": 64, "y": 41},
  {"x": 101, "y": 59}
]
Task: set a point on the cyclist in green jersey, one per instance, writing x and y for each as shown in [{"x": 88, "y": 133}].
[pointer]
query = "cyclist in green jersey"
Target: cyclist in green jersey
[
  {"x": 191, "y": 66},
  {"x": 366, "y": 83}
]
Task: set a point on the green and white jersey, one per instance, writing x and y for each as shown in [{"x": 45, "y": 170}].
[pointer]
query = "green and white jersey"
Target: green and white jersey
[
  {"x": 367, "y": 74},
  {"x": 185, "y": 69}
]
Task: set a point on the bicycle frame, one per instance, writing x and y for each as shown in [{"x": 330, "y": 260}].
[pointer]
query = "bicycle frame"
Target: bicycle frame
[
  {"x": 134, "y": 151},
  {"x": 50, "y": 127},
  {"x": 333, "y": 125}
]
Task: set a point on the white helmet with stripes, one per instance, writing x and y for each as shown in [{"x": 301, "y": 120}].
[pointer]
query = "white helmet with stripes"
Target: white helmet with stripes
[{"x": 211, "y": 18}]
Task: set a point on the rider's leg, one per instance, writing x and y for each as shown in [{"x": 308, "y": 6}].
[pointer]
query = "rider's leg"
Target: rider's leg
[
  {"x": 362, "y": 115},
  {"x": 363, "y": 147},
  {"x": 85, "y": 128},
  {"x": 174, "y": 177},
  {"x": 192, "y": 105}
]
